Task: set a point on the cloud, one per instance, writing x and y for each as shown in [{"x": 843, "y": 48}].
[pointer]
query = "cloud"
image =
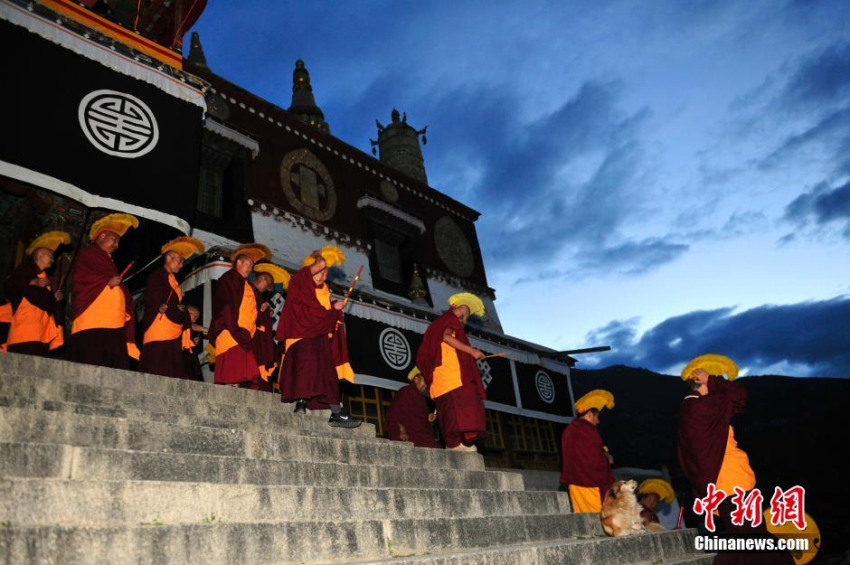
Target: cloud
[
  {"x": 809, "y": 336},
  {"x": 823, "y": 205},
  {"x": 535, "y": 203},
  {"x": 821, "y": 79},
  {"x": 633, "y": 257},
  {"x": 816, "y": 99}
]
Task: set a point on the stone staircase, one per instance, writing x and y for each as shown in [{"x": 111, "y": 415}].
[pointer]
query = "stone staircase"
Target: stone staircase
[{"x": 111, "y": 467}]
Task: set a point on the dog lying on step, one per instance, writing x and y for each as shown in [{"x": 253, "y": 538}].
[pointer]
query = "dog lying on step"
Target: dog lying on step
[{"x": 621, "y": 511}]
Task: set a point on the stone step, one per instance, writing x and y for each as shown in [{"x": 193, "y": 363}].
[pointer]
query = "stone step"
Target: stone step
[
  {"x": 44, "y": 460},
  {"x": 19, "y": 425},
  {"x": 664, "y": 548},
  {"x": 39, "y": 502},
  {"x": 23, "y": 391},
  {"x": 132, "y": 381},
  {"x": 283, "y": 542},
  {"x": 40, "y": 368}
]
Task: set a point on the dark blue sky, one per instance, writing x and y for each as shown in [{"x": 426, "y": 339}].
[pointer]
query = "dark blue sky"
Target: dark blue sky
[{"x": 670, "y": 178}]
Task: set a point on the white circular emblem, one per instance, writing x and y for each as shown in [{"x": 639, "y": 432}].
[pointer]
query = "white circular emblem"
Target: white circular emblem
[
  {"x": 118, "y": 124},
  {"x": 394, "y": 348},
  {"x": 545, "y": 387}
]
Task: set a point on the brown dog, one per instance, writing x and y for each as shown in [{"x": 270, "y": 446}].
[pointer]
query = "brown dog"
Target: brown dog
[{"x": 621, "y": 511}]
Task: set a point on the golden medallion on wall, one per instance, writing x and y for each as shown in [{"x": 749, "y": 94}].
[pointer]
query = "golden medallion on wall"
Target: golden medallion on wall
[
  {"x": 307, "y": 185},
  {"x": 453, "y": 247}
]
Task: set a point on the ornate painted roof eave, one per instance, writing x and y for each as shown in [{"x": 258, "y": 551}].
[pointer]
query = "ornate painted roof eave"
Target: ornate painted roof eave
[
  {"x": 274, "y": 114},
  {"x": 307, "y": 225},
  {"x": 394, "y": 211},
  {"x": 455, "y": 281},
  {"x": 104, "y": 42},
  {"x": 233, "y": 135}
]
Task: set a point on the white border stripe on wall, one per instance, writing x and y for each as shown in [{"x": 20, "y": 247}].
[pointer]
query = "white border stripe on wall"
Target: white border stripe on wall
[{"x": 86, "y": 198}]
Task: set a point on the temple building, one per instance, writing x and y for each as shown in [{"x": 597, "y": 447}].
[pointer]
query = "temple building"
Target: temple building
[{"x": 110, "y": 116}]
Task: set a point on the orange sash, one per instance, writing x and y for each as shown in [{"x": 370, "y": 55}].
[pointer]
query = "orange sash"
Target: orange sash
[
  {"x": 31, "y": 323},
  {"x": 6, "y": 313},
  {"x": 323, "y": 295},
  {"x": 585, "y": 499},
  {"x": 108, "y": 311},
  {"x": 163, "y": 329},
  {"x": 447, "y": 374},
  {"x": 247, "y": 320},
  {"x": 735, "y": 470}
]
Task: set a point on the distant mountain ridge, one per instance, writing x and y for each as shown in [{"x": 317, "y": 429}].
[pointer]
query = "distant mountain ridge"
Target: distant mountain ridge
[{"x": 795, "y": 431}]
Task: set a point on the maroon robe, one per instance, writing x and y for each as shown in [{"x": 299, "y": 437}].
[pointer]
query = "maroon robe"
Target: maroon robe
[
  {"x": 107, "y": 347},
  {"x": 703, "y": 433},
  {"x": 583, "y": 458},
  {"x": 238, "y": 364},
  {"x": 308, "y": 369},
  {"x": 264, "y": 348},
  {"x": 163, "y": 357},
  {"x": 460, "y": 412},
  {"x": 704, "y": 429},
  {"x": 191, "y": 363},
  {"x": 409, "y": 408},
  {"x": 18, "y": 288}
]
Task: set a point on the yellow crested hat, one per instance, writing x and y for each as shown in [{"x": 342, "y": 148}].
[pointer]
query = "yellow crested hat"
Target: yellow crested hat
[
  {"x": 332, "y": 256},
  {"x": 598, "y": 398},
  {"x": 413, "y": 372},
  {"x": 280, "y": 275},
  {"x": 713, "y": 364},
  {"x": 49, "y": 240},
  {"x": 662, "y": 488},
  {"x": 116, "y": 223},
  {"x": 788, "y": 529},
  {"x": 184, "y": 246},
  {"x": 256, "y": 251},
  {"x": 476, "y": 307}
]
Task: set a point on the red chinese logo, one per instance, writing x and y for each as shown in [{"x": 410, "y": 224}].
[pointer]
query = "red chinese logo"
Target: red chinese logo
[
  {"x": 788, "y": 506},
  {"x": 709, "y": 504},
  {"x": 747, "y": 508},
  {"x": 785, "y": 506}
]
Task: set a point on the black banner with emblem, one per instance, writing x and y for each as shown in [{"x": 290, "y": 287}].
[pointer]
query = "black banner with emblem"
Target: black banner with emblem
[
  {"x": 379, "y": 350},
  {"x": 543, "y": 390},
  {"x": 101, "y": 131},
  {"x": 498, "y": 380},
  {"x": 386, "y": 352}
]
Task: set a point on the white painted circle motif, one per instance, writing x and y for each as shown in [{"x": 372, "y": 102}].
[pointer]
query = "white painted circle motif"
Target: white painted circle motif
[
  {"x": 394, "y": 348},
  {"x": 118, "y": 124},
  {"x": 545, "y": 387}
]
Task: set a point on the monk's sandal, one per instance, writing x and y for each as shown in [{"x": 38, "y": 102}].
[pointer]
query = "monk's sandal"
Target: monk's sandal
[{"x": 300, "y": 406}]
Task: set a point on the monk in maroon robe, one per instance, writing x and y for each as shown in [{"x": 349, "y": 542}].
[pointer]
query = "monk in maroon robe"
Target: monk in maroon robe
[
  {"x": 586, "y": 467},
  {"x": 409, "y": 417},
  {"x": 448, "y": 364},
  {"x": 165, "y": 325},
  {"x": 191, "y": 363},
  {"x": 316, "y": 353},
  {"x": 35, "y": 326},
  {"x": 703, "y": 433},
  {"x": 264, "y": 347},
  {"x": 104, "y": 327},
  {"x": 708, "y": 453},
  {"x": 234, "y": 324}
]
